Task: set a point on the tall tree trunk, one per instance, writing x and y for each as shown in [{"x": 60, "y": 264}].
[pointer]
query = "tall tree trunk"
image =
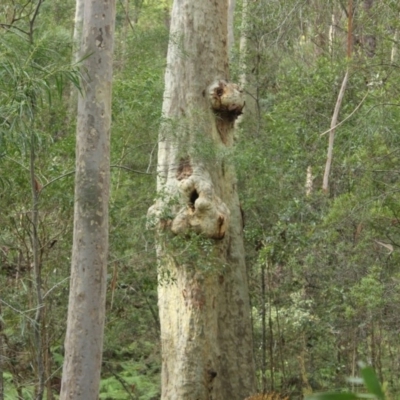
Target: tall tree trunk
[
  {"x": 2, "y": 356},
  {"x": 204, "y": 307},
  {"x": 369, "y": 39},
  {"x": 37, "y": 276},
  {"x": 248, "y": 82},
  {"x": 86, "y": 310},
  {"x": 329, "y": 157},
  {"x": 393, "y": 53}
]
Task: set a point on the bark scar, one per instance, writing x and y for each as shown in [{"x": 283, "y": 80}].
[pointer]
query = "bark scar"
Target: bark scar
[
  {"x": 184, "y": 169},
  {"x": 204, "y": 212},
  {"x": 227, "y": 103}
]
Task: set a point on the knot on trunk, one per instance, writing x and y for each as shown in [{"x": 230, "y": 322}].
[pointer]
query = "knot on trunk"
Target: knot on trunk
[
  {"x": 226, "y": 99},
  {"x": 227, "y": 103},
  {"x": 204, "y": 212}
]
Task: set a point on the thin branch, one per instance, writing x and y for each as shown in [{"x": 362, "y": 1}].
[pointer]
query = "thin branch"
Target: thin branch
[
  {"x": 21, "y": 312},
  {"x": 151, "y": 157},
  {"x": 152, "y": 311},
  {"x": 130, "y": 169},
  {"x": 17, "y": 162},
  {"x": 32, "y": 21},
  {"x": 120, "y": 380},
  {"x": 10, "y": 27},
  {"x": 349, "y": 116},
  {"x": 325, "y": 184},
  {"x": 72, "y": 172},
  {"x": 56, "y": 179},
  {"x": 285, "y": 19},
  {"x": 55, "y": 286},
  {"x": 127, "y": 15}
]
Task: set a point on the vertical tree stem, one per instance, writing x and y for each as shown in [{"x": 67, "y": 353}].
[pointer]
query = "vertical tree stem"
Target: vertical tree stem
[
  {"x": 1, "y": 357},
  {"x": 264, "y": 330},
  {"x": 350, "y": 29},
  {"x": 270, "y": 328},
  {"x": 325, "y": 184},
  {"x": 37, "y": 279}
]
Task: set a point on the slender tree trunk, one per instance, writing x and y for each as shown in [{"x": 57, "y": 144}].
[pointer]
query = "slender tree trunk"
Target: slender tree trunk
[
  {"x": 2, "y": 356},
  {"x": 332, "y": 34},
  {"x": 329, "y": 157},
  {"x": 264, "y": 302},
  {"x": 126, "y": 26},
  {"x": 243, "y": 44},
  {"x": 77, "y": 39},
  {"x": 86, "y": 310},
  {"x": 350, "y": 29},
  {"x": 78, "y": 26},
  {"x": 204, "y": 308},
  {"x": 393, "y": 53},
  {"x": 309, "y": 181},
  {"x": 37, "y": 277},
  {"x": 369, "y": 40},
  {"x": 251, "y": 88}
]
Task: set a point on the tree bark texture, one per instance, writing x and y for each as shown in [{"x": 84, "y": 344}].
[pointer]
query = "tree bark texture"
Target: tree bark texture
[
  {"x": 206, "y": 333},
  {"x": 86, "y": 310},
  {"x": 231, "y": 25}
]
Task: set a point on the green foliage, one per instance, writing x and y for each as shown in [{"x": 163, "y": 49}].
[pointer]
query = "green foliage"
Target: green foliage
[
  {"x": 194, "y": 251},
  {"x": 35, "y": 82},
  {"x": 368, "y": 379},
  {"x": 330, "y": 262},
  {"x": 134, "y": 380}
]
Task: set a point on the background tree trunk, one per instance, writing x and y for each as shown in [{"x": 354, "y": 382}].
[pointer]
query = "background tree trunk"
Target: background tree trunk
[
  {"x": 84, "y": 339},
  {"x": 203, "y": 295},
  {"x": 2, "y": 357},
  {"x": 77, "y": 39}
]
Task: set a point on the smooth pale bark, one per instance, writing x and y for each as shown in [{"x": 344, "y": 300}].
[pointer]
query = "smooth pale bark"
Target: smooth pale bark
[
  {"x": 329, "y": 157},
  {"x": 252, "y": 98},
  {"x": 243, "y": 44},
  {"x": 206, "y": 332},
  {"x": 309, "y": 181},
  {"x": 77, "y": 39},
  {"x": 78, "y": 26},
  {"x": 231, "y": 14},
  {"x": 332, "y": 34},
  {"x": 86, "y": 310},
  {"x": 393, "y": 53}
]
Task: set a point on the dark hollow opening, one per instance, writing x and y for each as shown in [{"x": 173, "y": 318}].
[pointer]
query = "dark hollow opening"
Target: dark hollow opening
[{"x": 193, "y": 197}]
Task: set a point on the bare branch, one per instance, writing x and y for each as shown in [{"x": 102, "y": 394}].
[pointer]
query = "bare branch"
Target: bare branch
[
  {"x": 332, "y": 132},
  {"x": 348, "y": 117}
]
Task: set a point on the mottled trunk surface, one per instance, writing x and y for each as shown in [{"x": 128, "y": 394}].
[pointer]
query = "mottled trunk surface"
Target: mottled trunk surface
[
  {"x": 86, "y": 309},
  {"x": 204, "y": 307}
]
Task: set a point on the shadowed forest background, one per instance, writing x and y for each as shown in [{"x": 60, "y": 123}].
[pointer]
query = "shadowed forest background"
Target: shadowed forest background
[{"x": 323, "y": 265}]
